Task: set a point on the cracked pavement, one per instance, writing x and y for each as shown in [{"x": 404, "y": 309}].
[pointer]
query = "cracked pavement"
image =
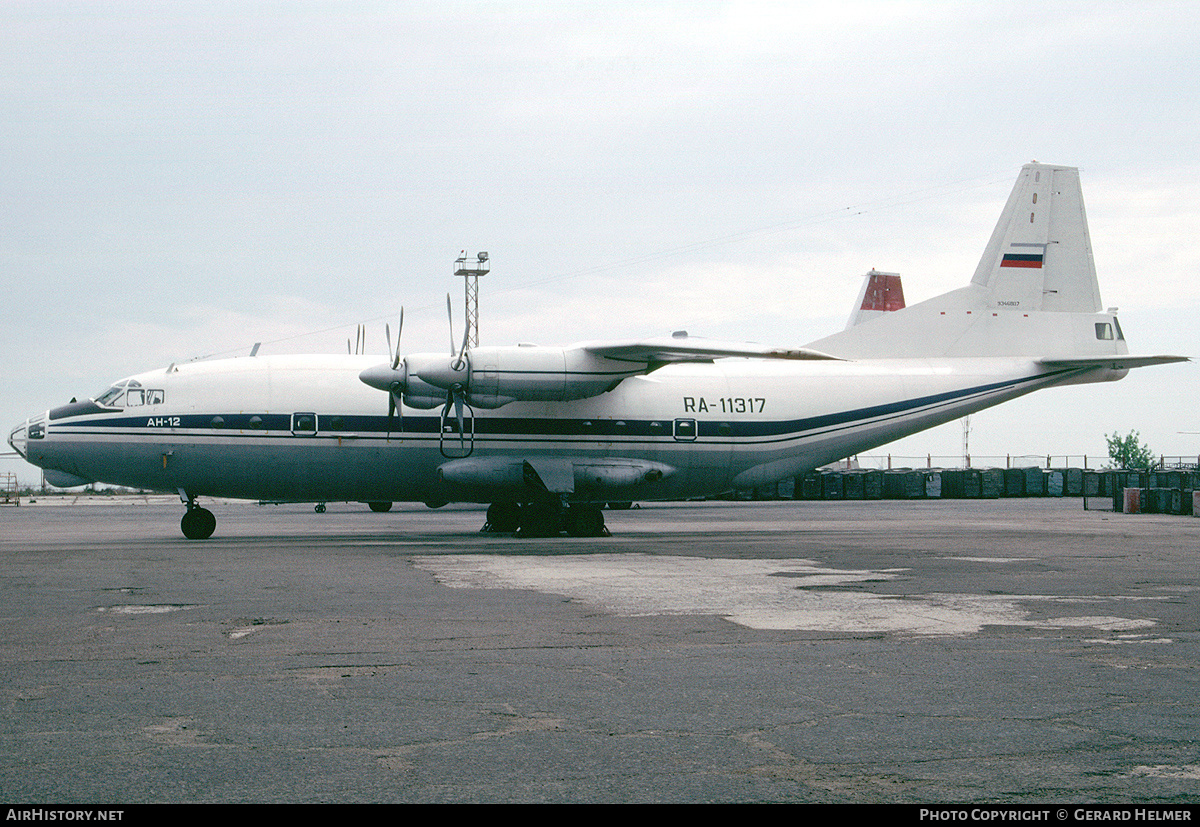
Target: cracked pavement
[{"x": 1020, "y": 651}]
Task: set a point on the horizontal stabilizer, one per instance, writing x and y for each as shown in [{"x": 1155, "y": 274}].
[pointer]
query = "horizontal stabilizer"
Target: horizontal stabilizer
[{"x": 1112, "y": 362}]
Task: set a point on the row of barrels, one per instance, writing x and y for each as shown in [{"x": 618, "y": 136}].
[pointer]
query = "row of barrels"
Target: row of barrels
[{"x": 990, "y": 483}]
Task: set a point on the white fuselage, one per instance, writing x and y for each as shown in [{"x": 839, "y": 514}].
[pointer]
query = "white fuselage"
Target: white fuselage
[{"x": 306, "y": 429}]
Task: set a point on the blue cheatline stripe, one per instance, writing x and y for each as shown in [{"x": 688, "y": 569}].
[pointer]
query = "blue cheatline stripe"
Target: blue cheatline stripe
[{"x": 516, "y": 427}]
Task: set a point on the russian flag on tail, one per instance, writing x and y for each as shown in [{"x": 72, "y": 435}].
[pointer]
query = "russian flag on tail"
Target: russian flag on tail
[{"x": 1022, "y": 260}]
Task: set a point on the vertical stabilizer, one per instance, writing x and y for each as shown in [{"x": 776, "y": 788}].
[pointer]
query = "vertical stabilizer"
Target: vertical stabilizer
[
  {"x": 1040, "y": 254},
  {"x": 1034, "y": 292}
]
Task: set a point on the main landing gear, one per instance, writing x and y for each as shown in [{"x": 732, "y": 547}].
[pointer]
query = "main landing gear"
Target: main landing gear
[
  {"x": 197, "y": 523},
  {"x": 546, "y": 518}
]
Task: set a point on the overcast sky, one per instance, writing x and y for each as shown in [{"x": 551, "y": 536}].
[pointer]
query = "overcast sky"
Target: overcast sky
[{"x": 185, "y": 179}]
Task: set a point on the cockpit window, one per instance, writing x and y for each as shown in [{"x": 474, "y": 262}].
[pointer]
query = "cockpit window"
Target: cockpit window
[
  {"x": 129, "y": 395},
  {"x": 111, "y": 397}
]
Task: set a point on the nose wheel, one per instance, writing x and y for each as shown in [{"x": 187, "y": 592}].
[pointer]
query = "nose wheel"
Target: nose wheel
[{"x": 197, "y": 523}]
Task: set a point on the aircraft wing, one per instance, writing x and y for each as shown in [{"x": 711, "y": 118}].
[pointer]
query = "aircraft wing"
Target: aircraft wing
[
  {"x": 684, "y": 349},
  {"x": 1112, "y": 362}
]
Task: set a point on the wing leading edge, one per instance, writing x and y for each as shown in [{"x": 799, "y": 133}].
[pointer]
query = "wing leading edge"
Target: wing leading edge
[{"x": 673, "y": 350}]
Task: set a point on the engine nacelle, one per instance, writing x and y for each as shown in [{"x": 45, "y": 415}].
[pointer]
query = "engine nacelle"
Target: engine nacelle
[
  {"x": 491, "y": 377},
  {"x": 588, "y": 477},
  {"x": 424, "y": 397}
]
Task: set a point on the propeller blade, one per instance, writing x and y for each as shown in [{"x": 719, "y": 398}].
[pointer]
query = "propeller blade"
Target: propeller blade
[
  {"x": 399, "y": 329},
  {"x": 456, "y": 356},
  {"x": 462, "y": 351},
  {"x": 394, "y": 405},
  {"x": 456, "y": 393}
]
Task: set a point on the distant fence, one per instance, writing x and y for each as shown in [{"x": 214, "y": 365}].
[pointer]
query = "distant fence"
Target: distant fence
[
  {"x": 1084, "y": 461},
  {"x": 1164, "y": 491}
]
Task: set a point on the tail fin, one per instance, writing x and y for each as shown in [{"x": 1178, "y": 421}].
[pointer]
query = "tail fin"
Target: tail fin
[
  {"x": 1040, "y": 254},
  {"x": 881, "y": 293},
  {"x": 1034, "y": 292}
]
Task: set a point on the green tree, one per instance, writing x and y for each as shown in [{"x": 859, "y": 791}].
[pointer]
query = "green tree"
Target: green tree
[{"x": 1128, "y": 451}]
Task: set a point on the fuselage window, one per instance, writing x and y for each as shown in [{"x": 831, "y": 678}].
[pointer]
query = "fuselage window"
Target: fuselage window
[
  {"x": 1103, "y": 330},
  {"x": 1117, "y": 324},
  {"x": 135, "y": 398},
  {"x": 154, "y": 397},
  {"x": 304, "y": 423}
]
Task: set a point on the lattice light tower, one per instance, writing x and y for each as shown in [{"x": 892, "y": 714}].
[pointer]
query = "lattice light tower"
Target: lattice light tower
[
  {"x": 471, "y": 271},
  {"x": 966, "y": 426}
]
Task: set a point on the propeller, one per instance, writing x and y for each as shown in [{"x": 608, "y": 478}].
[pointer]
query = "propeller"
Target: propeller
[{"x": 425, "y": 380}]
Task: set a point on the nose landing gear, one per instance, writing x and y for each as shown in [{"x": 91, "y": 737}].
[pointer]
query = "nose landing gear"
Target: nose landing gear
[{"x": 197, "y": 523}]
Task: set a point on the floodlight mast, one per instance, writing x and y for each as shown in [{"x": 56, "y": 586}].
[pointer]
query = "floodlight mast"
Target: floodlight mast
[{"x": 471, "y": 271}]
